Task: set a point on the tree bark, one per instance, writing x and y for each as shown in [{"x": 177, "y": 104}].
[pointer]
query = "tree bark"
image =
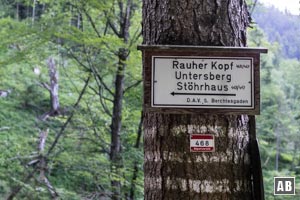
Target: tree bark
[
  {"x": 116, "y": 123},
  {"x": 42, "y": 165},
  {"x": 202, "y": 22},
  {"x": 17, "y": 11},
  {"x": 171, "y": 170},
  {"x": 53, "y": 89},
  {"x": 115, "y": 150},
  {"x": 278, "y": 142},
  {"x": 33, "y": 11}
]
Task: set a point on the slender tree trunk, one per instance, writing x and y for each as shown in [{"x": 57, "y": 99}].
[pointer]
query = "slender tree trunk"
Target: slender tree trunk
[
  {"x": 171, "y": 171},
  {"x": 116, "y": 123},
  {"x": 77, "y": 19},
  {"x": 295, "y": 150},
  {"x": 115, "y": 151},
  {"x": 278, "y": 135},
  {"x": 53, "y": 74},
  {"x": 33, "y": 11},
  {"x": 278, "y": 141},
  {"x": 42, "y": 165},
  {"x": 16, "y": 189},
  {"x": 17, "y": 11}
]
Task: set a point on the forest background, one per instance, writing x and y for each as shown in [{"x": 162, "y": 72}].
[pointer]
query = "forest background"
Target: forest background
[{"x": 71, "y": 98}]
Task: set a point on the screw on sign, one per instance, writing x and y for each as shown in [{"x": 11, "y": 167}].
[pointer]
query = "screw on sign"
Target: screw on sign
[{"x": 202, "y": 143}]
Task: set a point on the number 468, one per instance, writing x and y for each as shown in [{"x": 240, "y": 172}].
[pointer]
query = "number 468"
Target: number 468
[{"x": 202, "y": 143}]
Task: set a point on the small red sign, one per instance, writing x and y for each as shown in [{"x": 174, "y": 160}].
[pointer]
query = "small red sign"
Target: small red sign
[{"x": 202, "y": 143}]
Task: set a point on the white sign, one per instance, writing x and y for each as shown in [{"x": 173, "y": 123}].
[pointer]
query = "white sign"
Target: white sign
[
  {"x": 202, "y": 143},
  {"x": 202, "y": 82}
]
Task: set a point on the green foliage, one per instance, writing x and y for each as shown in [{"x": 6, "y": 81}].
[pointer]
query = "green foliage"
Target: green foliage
[
  {"x": 269, "y": 184},
  {"x": 76, "y": 34},
  {"x": 277, "y": 126}
]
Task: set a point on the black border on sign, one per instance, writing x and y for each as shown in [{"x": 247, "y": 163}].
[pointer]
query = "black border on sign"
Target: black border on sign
[{"x": 250, "y": 107}]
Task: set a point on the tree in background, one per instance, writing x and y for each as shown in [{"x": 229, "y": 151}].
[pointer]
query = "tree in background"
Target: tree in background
[
  {"x": 94, "y": 45},
  {"x": 277, "y": 124}
]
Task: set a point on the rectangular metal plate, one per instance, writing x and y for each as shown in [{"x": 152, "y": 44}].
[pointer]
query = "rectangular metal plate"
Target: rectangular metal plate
[
  {"x": 202, "y": 143},
  {"x": 202, "y": 82}
]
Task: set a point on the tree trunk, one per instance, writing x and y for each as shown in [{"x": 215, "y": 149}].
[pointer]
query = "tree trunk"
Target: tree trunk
[
  {"x": 76, "y": 19},
  {"x": 52, "y": 87},
  {"x": 33, "y": 11},
  {"x": 171, "y": 170},
  {"x": 278, "y": 141},
  {"x": 295, "y": 150},
  {"x": 42, "y": 165},
  {"x": 53, "y": 74},
  {"x": 17, "y": 12},
  {"x": 116, "y": 123}
]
